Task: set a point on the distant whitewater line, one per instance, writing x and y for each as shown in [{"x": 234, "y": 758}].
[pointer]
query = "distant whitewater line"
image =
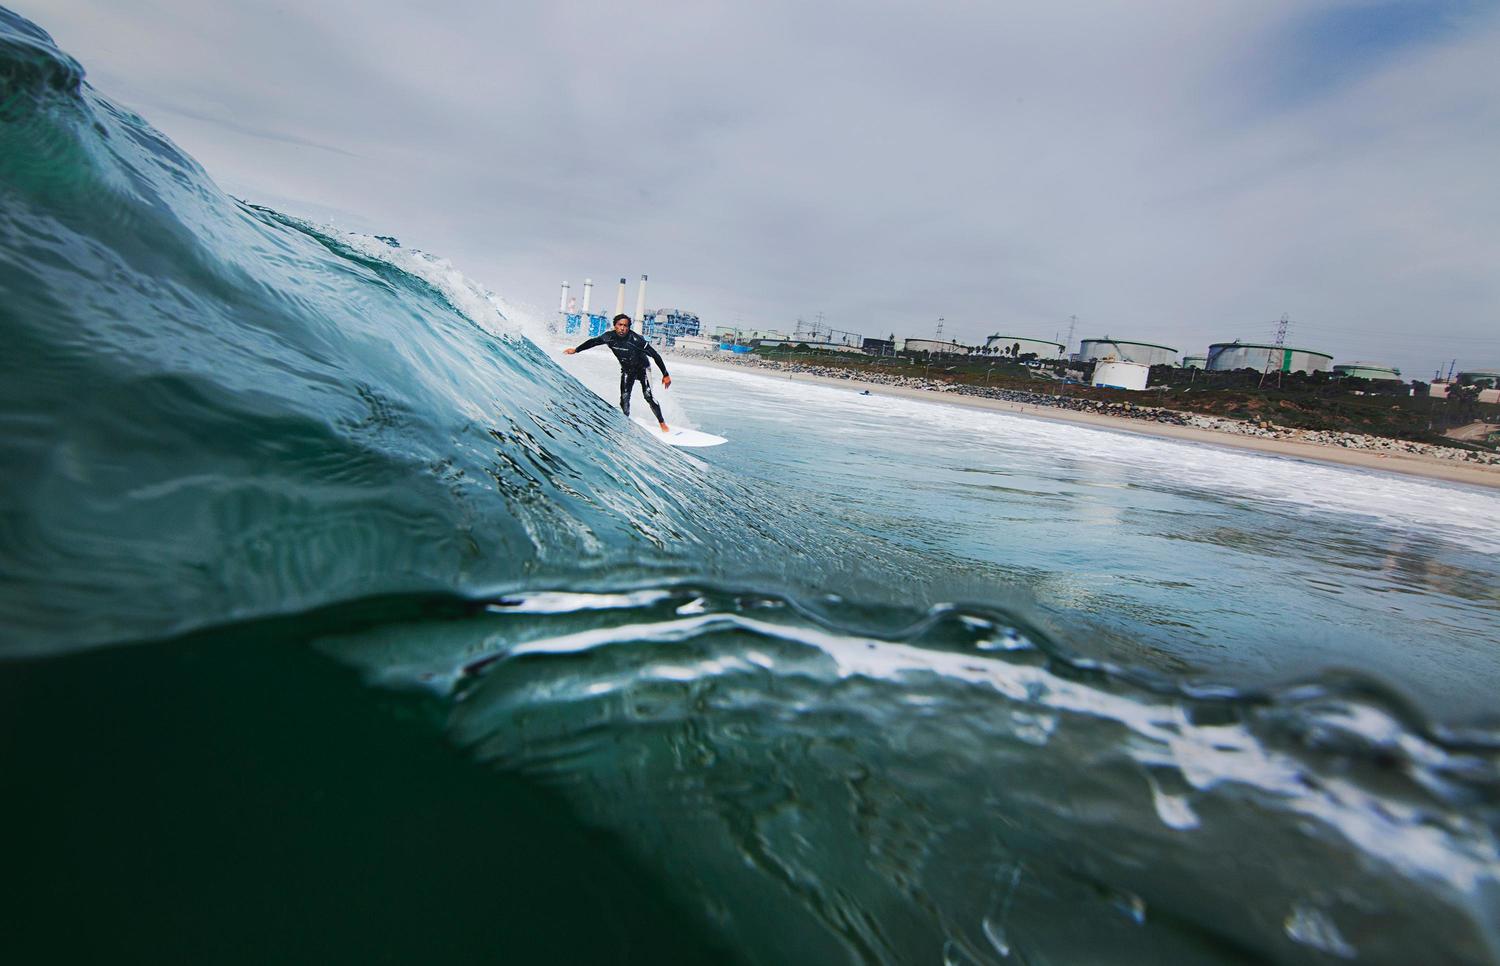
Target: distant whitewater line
[{"x": 1350, "y": 449}]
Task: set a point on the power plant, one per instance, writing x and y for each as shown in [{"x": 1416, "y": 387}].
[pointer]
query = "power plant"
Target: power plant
[
  {"x": 1118, "y": 363},
  {"x": 575, "y": 318}
]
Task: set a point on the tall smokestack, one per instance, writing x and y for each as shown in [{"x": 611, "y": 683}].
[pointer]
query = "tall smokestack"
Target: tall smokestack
[
  {"x": 640, "y": 303},
  {"x": 588, "y": 290},
  {"x": 620, "y": 298},
  {"x": 562, "y": 303}
]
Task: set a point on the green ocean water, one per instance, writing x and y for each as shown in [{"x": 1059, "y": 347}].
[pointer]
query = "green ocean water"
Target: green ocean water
[
  {"x": 236, "y": 797},
  {"x": 337, "y": 622}
]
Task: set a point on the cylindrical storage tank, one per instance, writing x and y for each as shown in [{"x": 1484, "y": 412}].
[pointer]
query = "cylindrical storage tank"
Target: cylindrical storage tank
[
  {"x": 1366, "y": 370},
  {"x": 936, "y": 347},
  {"x": 1121, "y": 375},
  {"x": 1485, "y": 378},
  {"x": 1123, "y": 350},
  {"x": 1195, "y": 362},
  {"x": 1019, "y": 345},
  {"x": 1228, "y": 356}
]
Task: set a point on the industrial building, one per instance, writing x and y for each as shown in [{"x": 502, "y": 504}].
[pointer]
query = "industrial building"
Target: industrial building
[
  {"x": 1019, "y": 345},
  {"x": 1484, "y": 378},
  {"x": 1123, "y": 350},
  {"x": 1195, "y": 362},
  {"x": 740, "y": 334},
  {"x": 695, "y": 343},
  {"x": 817, "y": 333},
  {"x": 1228, "y": 356},
  {"x": 936, "y": 347},
  {"x": 669, "y": 325},
  {"x": 1366, "y": 370}
]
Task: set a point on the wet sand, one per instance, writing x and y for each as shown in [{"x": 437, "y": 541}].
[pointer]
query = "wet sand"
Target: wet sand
[{"x": 1411, "y": 464}]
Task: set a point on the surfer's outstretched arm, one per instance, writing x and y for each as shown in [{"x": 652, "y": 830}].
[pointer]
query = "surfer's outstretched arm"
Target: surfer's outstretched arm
[
  {"x": 589, "y": 344},
  {"x": 666, "y": 380}
]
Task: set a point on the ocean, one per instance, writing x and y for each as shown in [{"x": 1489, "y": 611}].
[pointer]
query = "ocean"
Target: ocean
[{"x": 341, "y": 620}]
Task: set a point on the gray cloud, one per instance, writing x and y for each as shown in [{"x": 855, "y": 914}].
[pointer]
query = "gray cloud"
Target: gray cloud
[{"x": 1175, "y": 171}]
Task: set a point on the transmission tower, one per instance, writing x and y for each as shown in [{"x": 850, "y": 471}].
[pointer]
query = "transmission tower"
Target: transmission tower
[
  {"x": 1279, "y": 354},
  {"x": 940, "y": 329}
]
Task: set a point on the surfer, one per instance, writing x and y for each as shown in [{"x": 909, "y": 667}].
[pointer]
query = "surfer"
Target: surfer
[{"x": 634, "y": 353}]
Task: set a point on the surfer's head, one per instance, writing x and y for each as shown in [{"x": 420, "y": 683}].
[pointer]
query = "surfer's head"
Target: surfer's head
[{"x": 622, "y": 323}]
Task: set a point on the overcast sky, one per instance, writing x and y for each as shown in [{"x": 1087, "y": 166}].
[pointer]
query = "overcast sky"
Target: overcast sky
[{"x": 1173, "y": 171}]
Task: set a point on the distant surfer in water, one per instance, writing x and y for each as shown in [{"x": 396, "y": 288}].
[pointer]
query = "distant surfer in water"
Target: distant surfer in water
[{"x": 635, "y": 355}]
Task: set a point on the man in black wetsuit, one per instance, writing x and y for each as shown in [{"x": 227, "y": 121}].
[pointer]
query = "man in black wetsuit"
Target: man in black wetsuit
[{"x": 634, "y": 353}]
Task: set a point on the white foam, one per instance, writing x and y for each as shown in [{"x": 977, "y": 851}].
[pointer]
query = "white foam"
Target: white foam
[{"x": 1463, "y": 515}]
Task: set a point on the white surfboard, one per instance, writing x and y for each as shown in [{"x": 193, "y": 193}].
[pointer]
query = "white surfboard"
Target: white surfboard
[{"x": 678, "y": 437}]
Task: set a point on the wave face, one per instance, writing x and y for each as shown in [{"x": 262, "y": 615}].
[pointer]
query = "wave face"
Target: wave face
[
  {"x": 216, "y": 412},
  {"x": 228, "y": 432}
]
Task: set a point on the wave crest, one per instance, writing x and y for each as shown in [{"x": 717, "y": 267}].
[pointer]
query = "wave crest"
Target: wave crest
[{"x": 31, "y": 63}]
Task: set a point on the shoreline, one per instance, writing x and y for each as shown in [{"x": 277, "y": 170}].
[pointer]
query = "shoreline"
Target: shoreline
[{"x": 1408, "y": 464}]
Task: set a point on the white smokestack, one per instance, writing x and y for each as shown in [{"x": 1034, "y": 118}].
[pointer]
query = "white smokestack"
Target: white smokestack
[
  {"x": 562, "y": 303},
  {"x": 620, "y": 298},
  {"x": 588, "y": 289},
  {"x": 640, "y": 304}
]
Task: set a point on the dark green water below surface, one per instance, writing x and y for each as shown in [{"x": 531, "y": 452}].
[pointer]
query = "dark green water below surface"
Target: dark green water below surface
[{"x": 249, "y": 801}]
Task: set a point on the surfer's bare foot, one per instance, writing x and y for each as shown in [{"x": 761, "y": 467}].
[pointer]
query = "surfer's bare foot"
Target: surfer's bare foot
[{"x": 664, "y": 428}]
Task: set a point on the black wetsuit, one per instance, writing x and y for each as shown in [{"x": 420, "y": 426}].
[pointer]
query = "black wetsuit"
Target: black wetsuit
[{"x": 635, "y": 355}]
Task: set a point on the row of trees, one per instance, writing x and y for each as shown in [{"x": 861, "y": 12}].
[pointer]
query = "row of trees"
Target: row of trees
[{"x": 1321, "y": 383}]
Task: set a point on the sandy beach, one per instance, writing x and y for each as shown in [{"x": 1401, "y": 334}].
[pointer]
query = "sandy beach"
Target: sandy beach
[{"x": 1405, "y": 463}]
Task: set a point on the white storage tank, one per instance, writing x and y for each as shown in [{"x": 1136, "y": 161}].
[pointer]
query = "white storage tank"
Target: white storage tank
[
  {"x": 936, "y": 347},
  {"x": 1262, "y": 357},
  {"x": 1483, "y": 378},
  {"x": 1019, "y": 345},
  {"x": 1366, "y": 370},
  {"x": 1195, "y": 362},
  {"x": 1114, "y": 374},
  {"x": 1146, "y": 353}
]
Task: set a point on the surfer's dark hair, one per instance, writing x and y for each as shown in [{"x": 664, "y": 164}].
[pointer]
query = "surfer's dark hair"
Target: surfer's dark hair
[{"x": 622, "y": 315}]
